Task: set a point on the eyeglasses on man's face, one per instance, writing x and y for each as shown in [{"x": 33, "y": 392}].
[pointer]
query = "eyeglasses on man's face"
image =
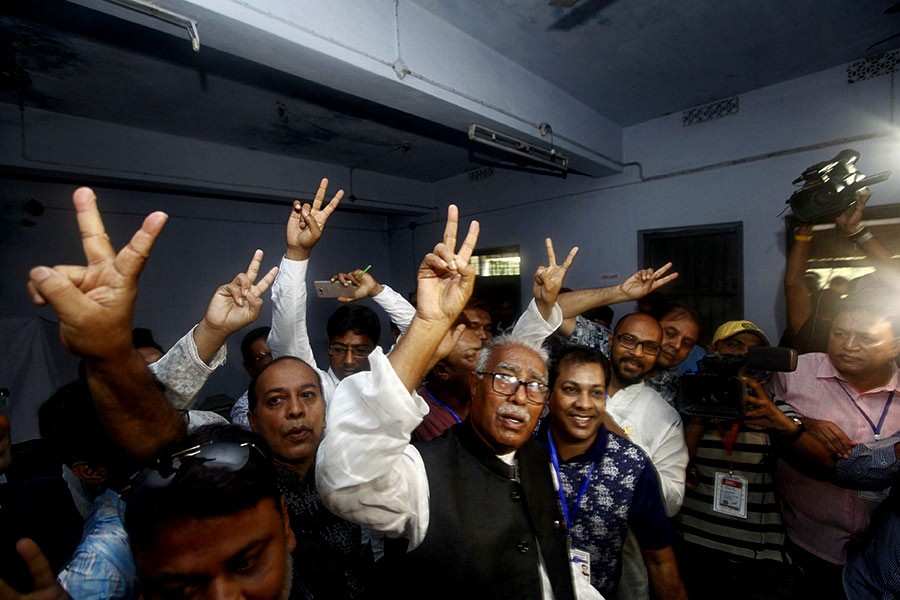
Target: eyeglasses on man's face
[
  {"x": 626, "y": 340},
  {"x": 358, "y": 352},
  {"x": 507, "y": 385}
]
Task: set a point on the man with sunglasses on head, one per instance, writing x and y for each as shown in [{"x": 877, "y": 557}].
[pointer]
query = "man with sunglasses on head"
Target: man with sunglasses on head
[{"x": 207, "y": 520}]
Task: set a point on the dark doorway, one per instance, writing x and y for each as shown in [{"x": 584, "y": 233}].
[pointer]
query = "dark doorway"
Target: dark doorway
[{"x": 710, "y": 263}]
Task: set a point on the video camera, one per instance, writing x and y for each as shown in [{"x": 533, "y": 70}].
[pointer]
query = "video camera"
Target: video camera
[
  {"x": 829, "y": 188},
  {"x": 716, "y": 389}
]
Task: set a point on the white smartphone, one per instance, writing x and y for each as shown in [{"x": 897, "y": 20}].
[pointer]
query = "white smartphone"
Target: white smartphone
[{"x": 333, "y": 289}]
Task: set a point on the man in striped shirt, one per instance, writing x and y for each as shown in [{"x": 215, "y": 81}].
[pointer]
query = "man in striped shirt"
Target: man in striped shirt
[{"x": 736, "y": 545}]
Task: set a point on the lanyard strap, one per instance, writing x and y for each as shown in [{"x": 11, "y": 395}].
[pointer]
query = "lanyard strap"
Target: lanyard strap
[
  {"x": 729, "y": 437},
  {"x": 444, "y": 406},
  {"x": 876, "y": 429},
  {"x": 554, "y": 458}
]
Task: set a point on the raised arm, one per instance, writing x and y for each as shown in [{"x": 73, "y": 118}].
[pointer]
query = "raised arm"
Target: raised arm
[
  {"x": 289, "y": 335},
  {"x": 364, "y": 285},
  {"x": 548, "y": 280},
  {"x": 366, "y": 469},
  {"x": 445, "y": 283},
  {"x": 635, "y": 287},
  {"x": 849, "y": 222},
  {"x": 796, "y": 294},
  {"x": 186, "y": 367},
  {"x": 542, "y": 317},
  {"x": 95, "y": 304},
  {"x": 234, "y": 306}
]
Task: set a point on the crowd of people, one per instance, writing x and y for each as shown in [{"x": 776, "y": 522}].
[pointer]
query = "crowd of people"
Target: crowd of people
[{"x": 550, "y": 458}]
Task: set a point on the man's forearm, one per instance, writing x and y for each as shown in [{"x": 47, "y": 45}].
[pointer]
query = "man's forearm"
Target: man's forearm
[
  {"x": 398, "y": 309},
  {"x": 208, "y": 340},
  {"x": 799, "y": 303},
  {"x": 412, "y": 353},
  {"x": 183, "y": 371},
  {"x": 579, "y": 301},
  {"x": 132, "y": 408},
  {"x": 662, "y": 570},
  {"x": 289, "y": 335}
]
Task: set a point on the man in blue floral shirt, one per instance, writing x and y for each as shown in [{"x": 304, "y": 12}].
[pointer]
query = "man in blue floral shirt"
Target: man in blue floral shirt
[{"x": 607, "y": 483}]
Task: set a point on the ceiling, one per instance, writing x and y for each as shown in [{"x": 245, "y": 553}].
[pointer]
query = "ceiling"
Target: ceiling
[{"x": 629, "y": 61}]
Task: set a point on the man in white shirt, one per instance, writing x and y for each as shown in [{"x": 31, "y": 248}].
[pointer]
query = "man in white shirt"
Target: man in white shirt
[
  {"x": 353, "y": 331},
  {"x": 474, "y": 512}
]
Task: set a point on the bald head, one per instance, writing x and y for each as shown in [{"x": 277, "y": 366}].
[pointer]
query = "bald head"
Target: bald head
[{"x": 638, "y": 321}]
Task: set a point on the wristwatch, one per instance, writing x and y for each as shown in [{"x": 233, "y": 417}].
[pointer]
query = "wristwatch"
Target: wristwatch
[{"x": 791, "y": 437}]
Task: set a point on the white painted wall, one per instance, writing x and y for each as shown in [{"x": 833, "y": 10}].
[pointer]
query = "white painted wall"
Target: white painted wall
[
  {"x": 737, "y": 168},
  {"x": 205, "y": 243}
]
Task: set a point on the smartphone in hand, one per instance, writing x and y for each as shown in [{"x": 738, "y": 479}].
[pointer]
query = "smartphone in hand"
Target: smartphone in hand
[{"x": 333, "y": 289}]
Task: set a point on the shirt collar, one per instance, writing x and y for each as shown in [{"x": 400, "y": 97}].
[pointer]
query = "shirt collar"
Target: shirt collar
[{"x": 827, "y": 370}]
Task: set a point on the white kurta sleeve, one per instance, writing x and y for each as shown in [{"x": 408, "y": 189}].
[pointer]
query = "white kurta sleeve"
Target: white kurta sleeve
[
  {"x": 182, "y": 372},
  {"x": 531, "y": 325},
  {"x": 366, "y": 470},
  {"x": 670, "y": 457},
  {"x": 289, "y": 335},
  {"x": 398, "y": 309}
]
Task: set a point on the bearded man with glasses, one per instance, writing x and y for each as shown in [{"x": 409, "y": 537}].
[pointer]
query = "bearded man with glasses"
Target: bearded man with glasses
[{"x": 640, "y": 413}]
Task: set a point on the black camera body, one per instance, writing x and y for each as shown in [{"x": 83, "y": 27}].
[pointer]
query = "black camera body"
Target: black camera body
[
  {"x": 717, "y": 391},
  {"x": 829, "y": 188}
]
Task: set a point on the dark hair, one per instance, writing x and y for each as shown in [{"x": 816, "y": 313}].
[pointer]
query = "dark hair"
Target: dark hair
[
  {"x": 252, "y": 336},
  {"x": 142, "y": 337},
  {"x": 480, "y": 304},
  {"x": 578, "y": 355},
  {"x": 693, "y": 315},
  {"x": 359, "y": 319},
  {"x": 252, "y": 398},
  {"x": 70, "y": 427},
  {"x": 601, "y": 313},
  {"x": 200, "y": 491},
  {"x": 876, "y": 301}
]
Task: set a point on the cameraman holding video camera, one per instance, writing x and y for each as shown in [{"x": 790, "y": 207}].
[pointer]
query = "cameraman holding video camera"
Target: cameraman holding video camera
[{"x": 730, "y": 523}]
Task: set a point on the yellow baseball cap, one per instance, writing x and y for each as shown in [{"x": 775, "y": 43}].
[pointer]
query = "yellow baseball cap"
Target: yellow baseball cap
[{"x": 730, "y": 328}]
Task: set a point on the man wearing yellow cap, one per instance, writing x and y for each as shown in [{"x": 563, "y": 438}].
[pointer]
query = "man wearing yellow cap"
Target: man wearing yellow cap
[{"x": 730, "y": 524}]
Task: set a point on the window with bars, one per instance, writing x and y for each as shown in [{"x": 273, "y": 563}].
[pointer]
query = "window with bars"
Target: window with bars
[{"x": 497, "y": 262}]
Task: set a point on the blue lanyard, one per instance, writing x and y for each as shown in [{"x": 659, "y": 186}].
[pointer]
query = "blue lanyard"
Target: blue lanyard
[
  {"x": 876, "y": 429},
  {"x": 554, "y": 458},
  {"x": 444, "y": 406}
]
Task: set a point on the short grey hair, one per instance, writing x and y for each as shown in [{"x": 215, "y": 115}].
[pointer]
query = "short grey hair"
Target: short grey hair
[{"x": 509, "y": 339}]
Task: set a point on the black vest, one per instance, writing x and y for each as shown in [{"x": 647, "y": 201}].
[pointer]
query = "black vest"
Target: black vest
[{"x": 484, "y": 527}]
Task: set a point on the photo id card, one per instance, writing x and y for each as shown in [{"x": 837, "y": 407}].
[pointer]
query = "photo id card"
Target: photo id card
[
  {"x": 581, "y": 563},
  {"x": 731, "y": 495}
]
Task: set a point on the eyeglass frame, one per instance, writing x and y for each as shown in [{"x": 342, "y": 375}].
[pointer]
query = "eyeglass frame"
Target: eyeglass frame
[
  {"x": 529, "y": 385},
  {"x": 341, "y": 350},
  {"x": 651, "y": 351}
]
